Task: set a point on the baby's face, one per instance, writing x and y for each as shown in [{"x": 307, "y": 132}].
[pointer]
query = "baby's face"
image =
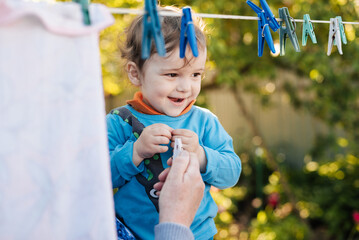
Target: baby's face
[{"x": 168, "y": 85}]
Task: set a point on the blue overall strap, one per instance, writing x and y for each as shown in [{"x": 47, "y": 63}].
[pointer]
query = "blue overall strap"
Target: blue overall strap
[{"x": 153, "y": 165}]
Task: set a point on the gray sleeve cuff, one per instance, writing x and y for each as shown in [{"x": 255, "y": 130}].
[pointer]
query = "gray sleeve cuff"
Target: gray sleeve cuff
[{"x": 172, "y": 231}]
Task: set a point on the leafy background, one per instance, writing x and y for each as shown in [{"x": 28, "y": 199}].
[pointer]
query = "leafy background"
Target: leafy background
[{"x": 274, "y": 200}]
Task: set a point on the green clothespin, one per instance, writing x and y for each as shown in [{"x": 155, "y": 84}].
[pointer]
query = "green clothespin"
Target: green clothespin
[
  {"x": 287, "y": 31},
  {"x": 308, "y": 29},
  {"x": 85, "y": 10},
  {"x": 341, "y": 30}
]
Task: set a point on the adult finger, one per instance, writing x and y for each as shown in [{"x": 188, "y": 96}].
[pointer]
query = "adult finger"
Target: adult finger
[
  {"x": 193, "y": 166},
  {"x": 169, "y": 161},
  {"x": 163, "y": 175},
  {"x": 179, "y": 167},
  {"x": 158, "y": 186}
]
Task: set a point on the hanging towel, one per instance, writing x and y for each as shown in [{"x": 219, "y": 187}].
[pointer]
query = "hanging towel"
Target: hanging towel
[{"x": 54, "y": 165}]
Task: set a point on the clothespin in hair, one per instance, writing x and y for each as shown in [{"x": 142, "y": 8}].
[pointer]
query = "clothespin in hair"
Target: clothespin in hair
[
  {"x": 266, "y": 20},
  {"x": 342, "y": 31},
  {"x": 308, "y": 30},
  {"x": 334, "y": 35},
  {"x": 287, "y": 31},
  {"x": 152, "y": 28},
  {"x": 188, "y": 34},
  {"x": 85, "y": 10}
]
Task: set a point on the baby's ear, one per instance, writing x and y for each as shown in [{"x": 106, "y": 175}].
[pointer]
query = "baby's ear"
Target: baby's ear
[{"x": 133, "y": 73}]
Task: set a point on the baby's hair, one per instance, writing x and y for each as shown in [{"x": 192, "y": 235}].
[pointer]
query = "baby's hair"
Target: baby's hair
[{"x": 171, "y": 28}]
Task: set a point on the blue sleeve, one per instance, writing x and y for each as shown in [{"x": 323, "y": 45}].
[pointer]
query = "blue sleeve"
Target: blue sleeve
[
  {"x": 223, "y": 165},
  {"x": 120, "y": 141}
]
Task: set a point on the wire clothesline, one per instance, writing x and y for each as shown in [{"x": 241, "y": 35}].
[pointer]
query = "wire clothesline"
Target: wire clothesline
[{"x": 208, "y": 15}]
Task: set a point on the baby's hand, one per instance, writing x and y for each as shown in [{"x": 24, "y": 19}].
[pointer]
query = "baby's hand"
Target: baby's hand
[
  {"x": 150, "y": 140},
  {"x": 190, "y": 143}
]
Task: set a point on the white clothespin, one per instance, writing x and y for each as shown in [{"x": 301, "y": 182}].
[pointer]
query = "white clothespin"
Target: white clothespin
[
  {"x": 334, "y": 36},
  {"x": 177, "y": 148}
]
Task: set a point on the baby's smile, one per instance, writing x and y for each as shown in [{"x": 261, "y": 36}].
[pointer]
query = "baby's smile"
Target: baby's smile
[{"x": 176, "y": 100}]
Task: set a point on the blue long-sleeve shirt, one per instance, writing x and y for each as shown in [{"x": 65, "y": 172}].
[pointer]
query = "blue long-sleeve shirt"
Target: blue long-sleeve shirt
[{"x": 131, "y": 201}]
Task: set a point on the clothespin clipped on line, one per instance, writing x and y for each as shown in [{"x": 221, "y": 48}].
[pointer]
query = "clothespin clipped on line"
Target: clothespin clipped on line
[
  {"x": 308, "y": 30},
  {"x": 272, "y": 21},
  {"x": 152, "y": 28},
  {"x": 334, "y": 35},
  {"x": 188, "y": 34},
  {"x": 341, "y": 29},
  {"x": 287, "y": 31},
  {"x": 85, "y": 10},
  {"x": 266, "y": 20},
  {"x": 177, "y": 148}
]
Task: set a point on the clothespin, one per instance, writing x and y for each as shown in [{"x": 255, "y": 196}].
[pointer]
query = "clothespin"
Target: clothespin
[
  {"x": 152, "y": 28},
  {"x": 342, "y": 31},
  {"x": 266, "y": 20},
  {"x": 177, "y": 148},
  {"x": 287, "y": 31},
  {"x": 334, "y": 35},
  {"x": 308, "y": 30},
  {"x": 85, "y": 10},
  {"x": 188, "y": 34},
  {"x": 273, "y": 23}
]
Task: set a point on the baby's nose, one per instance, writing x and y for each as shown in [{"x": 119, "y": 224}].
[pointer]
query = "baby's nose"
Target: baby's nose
[{"x": 184, "y": 85}]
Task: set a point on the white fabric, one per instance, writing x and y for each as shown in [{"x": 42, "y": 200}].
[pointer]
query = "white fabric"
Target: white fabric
[{"x": 54, "y": 167}]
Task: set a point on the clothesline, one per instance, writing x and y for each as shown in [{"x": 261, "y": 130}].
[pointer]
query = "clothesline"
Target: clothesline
[{"x": 208, "y": 15}]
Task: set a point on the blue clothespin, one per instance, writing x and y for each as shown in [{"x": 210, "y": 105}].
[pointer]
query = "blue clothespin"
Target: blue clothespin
[
  {"x": 287, "y": 31},
  {"x": 188, "y": 34},
  {"x": 342, "y": 31},
  {"x": 85, "y": 10},
  {"x": 334, "y": 35},
  {"x": 264, "y": 23},
  {"x": 273, "y": 23},
  {"x": 308, "y": 30},
  {"x": 152, "y": 28}
]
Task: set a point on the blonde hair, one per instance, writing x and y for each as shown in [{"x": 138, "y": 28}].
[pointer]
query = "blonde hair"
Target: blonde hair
[{"x": 171, "y": 28}]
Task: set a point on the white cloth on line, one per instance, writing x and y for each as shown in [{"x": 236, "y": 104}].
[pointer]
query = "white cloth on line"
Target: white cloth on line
[{"x": 54, "y": 165}]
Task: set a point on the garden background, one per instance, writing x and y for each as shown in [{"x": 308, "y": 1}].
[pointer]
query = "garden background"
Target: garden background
[{"x": 294, "y": 118}]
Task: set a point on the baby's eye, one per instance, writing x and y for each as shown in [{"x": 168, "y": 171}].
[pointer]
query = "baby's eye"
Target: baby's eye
[
  {"x": 196, "y": 74},
  {"x": 172, "y": 75}
]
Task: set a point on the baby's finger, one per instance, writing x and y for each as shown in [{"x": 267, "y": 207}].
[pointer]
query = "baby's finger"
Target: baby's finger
[
  {"x": 160, "y": 140},
  {"x": 160, "y": 149},
  {"x": 182, "y": 132},
  {"x": 162, "y": 129}
]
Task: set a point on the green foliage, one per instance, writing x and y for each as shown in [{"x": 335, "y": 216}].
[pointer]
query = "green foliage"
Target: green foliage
[
  {"x": 270, "y": 226},
  {"x": 327, "y": 192},
  {"x": 335, "y": 188}
]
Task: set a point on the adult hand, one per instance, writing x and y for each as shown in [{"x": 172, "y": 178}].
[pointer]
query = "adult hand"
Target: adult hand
[
  {"x": 190, "y": 143},
  {"x": 181, "y": 190},
  {"x": 150, "y": 140}
]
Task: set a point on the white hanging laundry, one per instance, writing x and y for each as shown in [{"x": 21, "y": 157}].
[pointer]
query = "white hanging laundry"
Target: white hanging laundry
[{"x": 54, "y": 166}]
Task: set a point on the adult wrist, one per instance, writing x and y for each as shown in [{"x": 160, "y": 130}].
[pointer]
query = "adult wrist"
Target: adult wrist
[{"x": 172, "y": 231}]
